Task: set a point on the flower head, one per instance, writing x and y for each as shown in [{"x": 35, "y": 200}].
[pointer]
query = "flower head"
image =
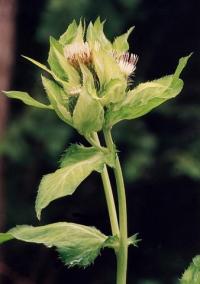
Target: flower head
[
  {"x": 127, "y": 63},
  {"x": 78, "y": 52}
]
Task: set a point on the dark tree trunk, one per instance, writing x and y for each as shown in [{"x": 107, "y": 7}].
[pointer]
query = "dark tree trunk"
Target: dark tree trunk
[{"x": 7, "y": 48}]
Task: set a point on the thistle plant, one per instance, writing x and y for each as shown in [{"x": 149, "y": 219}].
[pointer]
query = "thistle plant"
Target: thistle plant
[{"x": 89, "y": 85}]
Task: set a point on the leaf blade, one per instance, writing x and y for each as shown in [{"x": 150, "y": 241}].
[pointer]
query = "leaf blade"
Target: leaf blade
[{"x": 26, "y": 99}]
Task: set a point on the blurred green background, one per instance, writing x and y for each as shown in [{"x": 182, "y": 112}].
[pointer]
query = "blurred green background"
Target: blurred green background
[{"x": 160, "y": 152}]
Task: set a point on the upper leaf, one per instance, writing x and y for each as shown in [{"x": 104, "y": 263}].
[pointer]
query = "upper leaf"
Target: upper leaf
[
  {"x": 147, "y": 96},
  {"x": 76, "y": 244},
  {"x": 120, "y": 44},
  {"x": 192, "y": 273},
  {"x": 4, "y": 237},
  {"x": 88, "y": 115},
  {"x": 76, "y": 165},
  {"x": 59, "y": 64},
  {"x": 25, "y": 98},
  {"x": 95, "y": 36},
  {"x": 70, "y": 34},
  {"x": 58, "y": 99}
]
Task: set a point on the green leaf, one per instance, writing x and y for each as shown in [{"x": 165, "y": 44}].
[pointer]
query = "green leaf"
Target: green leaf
[
  {"x": 26, "y": 98},
  {"x": 40, "y": 65},
  {"x": 70, "y": 34},
  {"x": 77, "y": 164},
  {"x": 95, "y": 36},
  {"x": 4, "y": 237},
  {"x": 58, "y": 99},
  {"x": 113, "y": 92},
  {"x": 59, "y": 64},
  {"x": 76, "y": 244},
  {"x": 88, "y": 115},
  {"x": 133, "y": 240},
  {"x": 120, "y": 43},
  {"x": 192, "y": 273},
  {"x": 106, "y": 67},
  {"x": 147, "y": 96}
]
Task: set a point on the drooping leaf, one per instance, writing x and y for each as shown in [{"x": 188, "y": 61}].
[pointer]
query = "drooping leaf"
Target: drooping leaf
[
  {"x": 192, "y": 273},
  {"x": 88, "y": 115},
  {"x": 147, "y": 96},
  {"x": 26, "y": 98},
  {"x": 76, "y": 244},
  {"x": 120, "y": 44},
  {"x": 76, "y": 165},
  {"x": 70, "y": 34},
  {"x": 57, "y": 97}
]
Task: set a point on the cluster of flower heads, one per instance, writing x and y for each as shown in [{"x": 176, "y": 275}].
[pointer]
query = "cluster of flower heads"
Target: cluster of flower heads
[{"x": 105, "y": 60}]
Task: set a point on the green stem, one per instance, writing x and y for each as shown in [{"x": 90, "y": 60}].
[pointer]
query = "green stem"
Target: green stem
[
  {"x": 122, "y": 254},
  {"x": 109, "y": 196}
]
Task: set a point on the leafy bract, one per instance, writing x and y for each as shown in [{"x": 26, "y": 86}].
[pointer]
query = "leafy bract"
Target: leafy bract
[
  {"x": 26, "y": 98},
  {"x": 70, "y": 34},
  {"x": 192, "y": 273},
  {"x": 147, "y": 96},
  {"x": 76, "y": 165},
  {"x": 76, "y": 244},
  {"x": 113, "y": 92},
  {"x": 58, "y": 99},
  {"x": 88, "y": 115},
  {"x": 95, "y": 36},
  {"x": 4, "y": 237},
  {"x": 59, "y": 64},
  {"x": 120, "y": 44}
]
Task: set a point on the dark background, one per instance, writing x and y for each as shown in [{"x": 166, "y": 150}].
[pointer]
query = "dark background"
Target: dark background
[{"x": 160, "y": 152}]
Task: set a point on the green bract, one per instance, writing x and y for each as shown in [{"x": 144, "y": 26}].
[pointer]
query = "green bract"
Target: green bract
[{"x": 89, "y": 85}]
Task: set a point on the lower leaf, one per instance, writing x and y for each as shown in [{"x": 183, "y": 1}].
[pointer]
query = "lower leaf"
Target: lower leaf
[{"x": 76, "y": 244}]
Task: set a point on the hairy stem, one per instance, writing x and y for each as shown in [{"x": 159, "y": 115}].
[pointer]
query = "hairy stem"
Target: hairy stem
[
  {"x": 109, "y": 196},
  {"x": 122, "y": 254}
]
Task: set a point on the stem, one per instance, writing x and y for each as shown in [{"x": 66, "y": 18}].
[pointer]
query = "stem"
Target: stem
[
  {"x": 122, "y": 254},
  {"x": 109, "y": 196}
]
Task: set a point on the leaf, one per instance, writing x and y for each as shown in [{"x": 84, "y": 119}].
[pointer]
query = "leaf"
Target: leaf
[
  {"x": 113, "y": 92},
  {"x": 4, "y": 237},
  {"x": 60, "y": 66},
  {"x": 88, "y": 115},
  {"x": 147, "y": 96},
  {"x": 95, "y": 36},
  {"x": 192, "y": 273},
  {"x": 133, "y": 240},
  {"x": 120, "y": 43},
  {"x": 70, "y": 34},
  {"x": 40, "y": 65},
  {"x": 26, "y": 98},
  {"x": 76, "y": 244},
  {"x": 76, "y": 165},
  {"x": 58, "y": 99},
  {"x": 106, "y": 67}
]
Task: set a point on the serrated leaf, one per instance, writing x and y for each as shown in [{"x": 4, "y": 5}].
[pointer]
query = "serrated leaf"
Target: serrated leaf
[
  {"x": 95, "y": 36},
  {"x": 70, "y": 34},
  {"x": 76, "y": 244},
  {"x": 58, "y": 99},
  {"x": 120, "y": 44},
  {"x": 77, "y": 164},
  {"x": 26, "y": 98},
  {"x": 133, "y": 240},
  {"x": 192, "y": 273},
  {"x": 88, "y": 115},
  {"x": 60, "y": 66},
  {"x": 147, "y": 96}
]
